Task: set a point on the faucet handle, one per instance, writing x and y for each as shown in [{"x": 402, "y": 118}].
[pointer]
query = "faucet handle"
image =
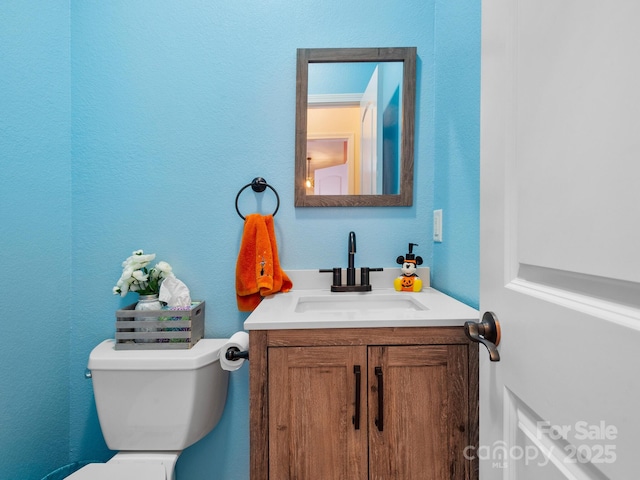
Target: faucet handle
[
  {"x": 364, "y": 274},
  {"x": 337, "y": 275}
]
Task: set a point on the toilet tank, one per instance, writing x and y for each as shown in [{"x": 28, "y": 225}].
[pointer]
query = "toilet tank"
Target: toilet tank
[{"x": 154, "y": 400}]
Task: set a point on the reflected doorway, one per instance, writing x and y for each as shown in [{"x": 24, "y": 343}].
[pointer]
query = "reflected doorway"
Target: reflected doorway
[{"x": 331, "y": 164}]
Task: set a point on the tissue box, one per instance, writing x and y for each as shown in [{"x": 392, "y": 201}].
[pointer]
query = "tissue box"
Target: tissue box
[{"x": 167, "y": 329}]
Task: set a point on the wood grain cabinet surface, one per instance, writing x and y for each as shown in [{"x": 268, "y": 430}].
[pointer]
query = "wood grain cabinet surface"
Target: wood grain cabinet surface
[{"x": 349, "y": 404}]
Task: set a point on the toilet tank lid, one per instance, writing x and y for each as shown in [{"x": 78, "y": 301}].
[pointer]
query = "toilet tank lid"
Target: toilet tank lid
[{"x": 106, "y": 357}]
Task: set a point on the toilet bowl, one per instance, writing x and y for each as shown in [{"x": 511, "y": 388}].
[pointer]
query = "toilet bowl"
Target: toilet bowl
[{"x": 152, "y": 404}]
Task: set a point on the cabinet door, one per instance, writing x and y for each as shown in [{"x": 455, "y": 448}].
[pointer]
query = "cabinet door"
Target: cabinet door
[
  {"x": 418, "y": 409},
  {"x": 312, "y": 406}
]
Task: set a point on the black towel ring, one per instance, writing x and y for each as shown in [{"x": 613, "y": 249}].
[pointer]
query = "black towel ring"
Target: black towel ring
[{"x": 258, "y": 185}]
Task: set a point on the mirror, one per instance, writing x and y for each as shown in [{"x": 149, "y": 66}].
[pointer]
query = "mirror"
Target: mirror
[{"x": 355, "y": 114}]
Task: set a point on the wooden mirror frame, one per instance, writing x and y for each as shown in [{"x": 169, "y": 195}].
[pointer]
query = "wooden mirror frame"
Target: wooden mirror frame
[{"x": 407, "y": 55}]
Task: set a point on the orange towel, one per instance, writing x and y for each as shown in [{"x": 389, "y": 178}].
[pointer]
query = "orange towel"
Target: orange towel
[{"x": 258, "y": 271}]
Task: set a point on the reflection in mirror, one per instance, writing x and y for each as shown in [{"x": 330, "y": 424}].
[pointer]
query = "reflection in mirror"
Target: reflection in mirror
[
  {"x": 354, "y": 127},
  {"x": 360, "y": 100}
]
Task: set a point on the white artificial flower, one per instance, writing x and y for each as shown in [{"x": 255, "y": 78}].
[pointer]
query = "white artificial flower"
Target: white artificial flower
[
  {"x": 140, "y": 276},
  {"x": 127, "y": 273},
  {"x": 165, "y": 270},
  {"x": 124, "y": 288},
  {"x": 136, "y": 278},
  {"x": 138, "y": 260}
]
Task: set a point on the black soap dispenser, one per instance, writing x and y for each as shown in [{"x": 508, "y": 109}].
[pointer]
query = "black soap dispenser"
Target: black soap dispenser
[{"x": 409, "y": 280}]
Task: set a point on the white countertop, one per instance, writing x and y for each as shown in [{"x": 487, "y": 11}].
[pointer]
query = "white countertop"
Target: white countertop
[{"x": 415, "y": 309}]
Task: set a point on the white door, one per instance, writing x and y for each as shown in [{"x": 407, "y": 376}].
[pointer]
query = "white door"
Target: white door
[
  {"x": 560, "y": 239},
  {"x": 369, "y": 137},
  {"x": 331, "y": 180}
]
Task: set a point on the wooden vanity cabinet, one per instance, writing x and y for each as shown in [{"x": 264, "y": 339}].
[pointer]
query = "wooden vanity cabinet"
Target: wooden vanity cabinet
[{"x": 376, "y": 403}]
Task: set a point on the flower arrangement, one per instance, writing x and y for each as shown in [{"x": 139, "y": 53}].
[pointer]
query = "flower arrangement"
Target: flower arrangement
[{"x": 137, "y": 278}]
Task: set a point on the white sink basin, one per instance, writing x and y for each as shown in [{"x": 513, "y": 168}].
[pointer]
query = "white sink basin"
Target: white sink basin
[
  {"x": 363, "y": 304},
  {"x": 305, "y": 309},
  {"x": 311, "y": 304}
]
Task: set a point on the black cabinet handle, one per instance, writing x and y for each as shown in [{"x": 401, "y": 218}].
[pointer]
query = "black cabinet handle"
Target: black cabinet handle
[
  {"x": 380, "y": 420},
  {"x": 356, "y": 417}
]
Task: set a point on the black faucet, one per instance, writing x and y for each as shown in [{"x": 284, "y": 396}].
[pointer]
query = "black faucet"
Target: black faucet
[
  {"x": 351, "y": 286},
  {"x": 351, "y": 250}
]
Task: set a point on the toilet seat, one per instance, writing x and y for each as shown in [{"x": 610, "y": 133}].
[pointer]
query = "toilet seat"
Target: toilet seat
[{"x": 119, "y": 471}]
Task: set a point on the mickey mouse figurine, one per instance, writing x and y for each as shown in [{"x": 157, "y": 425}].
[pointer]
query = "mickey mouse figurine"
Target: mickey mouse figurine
[{"x": 409, "y": 280}]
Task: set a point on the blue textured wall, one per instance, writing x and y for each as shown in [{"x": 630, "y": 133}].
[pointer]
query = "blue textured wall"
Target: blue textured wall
[
  {"x": 456, "y": 268},
  {"x": 173, "y": 107},
  {"x": 35, "y": 237}
]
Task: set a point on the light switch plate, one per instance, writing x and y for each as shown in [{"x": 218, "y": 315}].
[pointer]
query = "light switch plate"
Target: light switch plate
[{"x": 437, "y": 226}]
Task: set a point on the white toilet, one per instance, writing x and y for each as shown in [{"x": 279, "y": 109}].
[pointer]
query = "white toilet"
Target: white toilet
[{"x": 152, "y": 404}]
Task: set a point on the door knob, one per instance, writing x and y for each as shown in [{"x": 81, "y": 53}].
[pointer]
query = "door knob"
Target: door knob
[{"x": 486, "y": 332}]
